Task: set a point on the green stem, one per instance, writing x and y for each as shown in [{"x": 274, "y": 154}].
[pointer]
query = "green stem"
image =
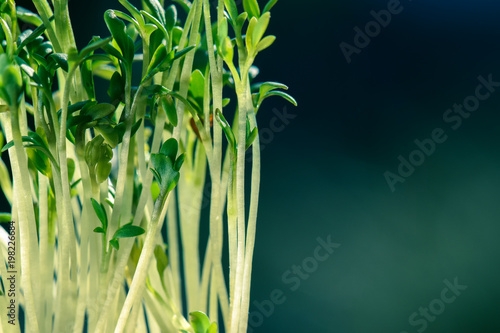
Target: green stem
[
  {"x": 252, "y": 219},
  {"x": 126, "y": 244},
  {"x": 26, "y": 215},
  {"x": 138, "y": 282}
]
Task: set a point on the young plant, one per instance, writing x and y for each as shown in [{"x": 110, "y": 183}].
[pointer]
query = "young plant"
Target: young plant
[{"x": 95, "y": 177}]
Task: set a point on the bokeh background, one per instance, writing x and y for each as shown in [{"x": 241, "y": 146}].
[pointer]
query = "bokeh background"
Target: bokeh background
[{"x": 323, "y": 174}]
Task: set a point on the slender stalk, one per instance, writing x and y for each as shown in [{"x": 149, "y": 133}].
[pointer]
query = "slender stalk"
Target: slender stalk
[
  {"x": 26, "y": 214},
  {"x": 252, "y": 220},
  {"x": 138, "y": 282}
]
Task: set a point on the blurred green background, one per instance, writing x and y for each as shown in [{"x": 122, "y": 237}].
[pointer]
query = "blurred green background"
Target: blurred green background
[{"x": 323, "y": 174}]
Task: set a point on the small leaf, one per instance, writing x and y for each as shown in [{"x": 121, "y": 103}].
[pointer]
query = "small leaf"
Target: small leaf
[
  {"x": 241, "y": 19},
  {"x": 163, "y": 170},
  {"x": 199, "y": 322},
  {"x": 265, "y": 87},
  {"x": 94, "y": 45},
  {"x": 227, "y": 50},
  {"x": 118, "y": 30},
  {"x": 232, "y": 9},
  {"x": 114, "y": 243},
  {"x": 169, "y": 149},
  {"x": 155, "y": 189},
  {"x": 168, "y": 105},
  {"x": 5, "y": 217},
  {"x": 222, "y": 31},
  {"x": 159, "y": 57},
  {"x": 252, "y": 8},
  {"x": 88, "y": 78},
  {"x": 34, "y": 35},
  {"x": 260, "y": 28},
  {"x": 101, "y": 213},
  {"x": 227, "y": 130},
  {"x": 183, "y": 52},
  {"x": 197, "y": 84},
  {"x": 128, "y": 231},
  {"x": 170, "y": 17},
  {"x": 61, "y": 59},
  {"x": 103, "y": 171},
  {"x": 212, "y": 328},
  {"x": 156, "y": 9},
  {"x": 249, "y": 34},
  {"x": 265, "y": 43},
  {"x": 270, "y": 4},
  {"x": 100, "y": 110},
  {"x": 161, "y": 260},
  {"x": 116, "y": 90},
  {"x": 179, "y": 161},
  {"x": 28, "y": 17},
  {"x": 99, "y": 230},
  {"x": 251, "y": 138},
  {"x": 71, "y": 168},
  {"x": 283, "y": 95}
]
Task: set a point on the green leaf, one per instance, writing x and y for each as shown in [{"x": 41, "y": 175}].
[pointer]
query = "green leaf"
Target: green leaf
[
  {"x": 116, "y": 90},
  {"x": 270, "y": 4},
  {"x": 265, "y": 43},
  {"x": 118, "y": 31},
  {"x": 88, "y": 78},
  {"x": 170, "y": 17},
  {"x": 222, "y": 31},
  {"x": 156, "y": 9},
  {"x": 227, "y": 130},
  {"x": 34, "y": 35},
  {"x": 241, "y": 20},
  {"x": 260, "y": 28},
  {"x": 168, "y": 105},
  {"x": 169, "y": 149},
  {"x": 252, "y": 8},
  {"x": 161, "y": 260},
  {"x": 251, "y": 138},
  {"x": 265, "y": 87},
  {"x": 71, "y": 168},
  {"x": 179, "y": 161},
  {"x": 158, "y": 58},
  {"x": 163, "y": 170},
  {"x": 11, "y": 85},
  {"x": 40, "y": 161},
  {"x": 156, "y": 23},
  {"x": 283, "y": 95},
  {"x": 197, "y": 84},
  {"x": 99, "y": 230},
  {"x": 61, "y": 59},
  {"x": 212, "y": 328},
  {"x": 101, "y": 213},
  {"x": 95, "y": 44},
  {"x": 28, "y": 17},
  {"x": 5, "y": 217},
  {"x": 227, "y": 50},
  {"x": 249, "y": 34},
  {"x": 232, "y": 9},
  {"x": 102, "y": 171},
  {"x": 100, "y": 110},
  {"x": 183, "y": 52},
  {"x": 114, "y": 243},
  {"x": 134, "y": 11},
  {"x": 199, "y": 321},
  {"x": 128, "y": 230}
]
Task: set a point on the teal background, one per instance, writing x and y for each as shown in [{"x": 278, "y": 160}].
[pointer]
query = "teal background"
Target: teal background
[{"x": 324, "y": 173}]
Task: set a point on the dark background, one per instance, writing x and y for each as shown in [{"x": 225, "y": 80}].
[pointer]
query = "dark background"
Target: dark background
[{"x": 324, "y": 173}]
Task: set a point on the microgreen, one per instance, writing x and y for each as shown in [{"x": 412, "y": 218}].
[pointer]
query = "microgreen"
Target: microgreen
[{"x": 97, "y": 170}]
